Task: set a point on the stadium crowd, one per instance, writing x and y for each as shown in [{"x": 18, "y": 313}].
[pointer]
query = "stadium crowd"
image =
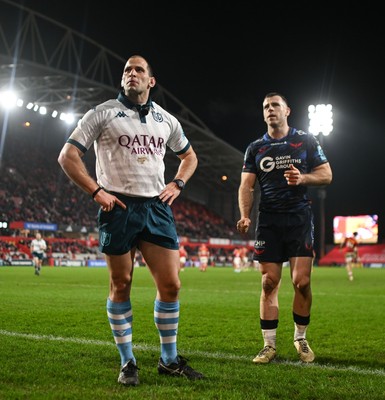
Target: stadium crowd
[{"x": 34, "y": 189}]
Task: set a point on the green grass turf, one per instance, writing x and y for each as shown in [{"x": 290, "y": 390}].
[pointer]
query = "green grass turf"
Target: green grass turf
[{"x": 56, "y": 343}]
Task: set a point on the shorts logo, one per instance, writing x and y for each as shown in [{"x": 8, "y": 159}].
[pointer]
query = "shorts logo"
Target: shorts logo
[
  {"x": 259, "y": 247},
  {"x": 105, "y": 238}
]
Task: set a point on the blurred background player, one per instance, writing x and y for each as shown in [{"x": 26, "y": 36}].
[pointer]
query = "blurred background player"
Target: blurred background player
[
  {"x": 38, "y": 247},
  {"x": 244, "y": 258},
  {"x": 203, "y": 255},
  {"x": 350, "y": 245},
  {"x": 237, "y": 260},
  {"x": 182, "y": 257}
]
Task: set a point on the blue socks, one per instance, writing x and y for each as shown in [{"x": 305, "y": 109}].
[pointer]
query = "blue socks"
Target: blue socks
[
  {"x": 166, "y": 318},
  {"x": 120, "y": 318}
]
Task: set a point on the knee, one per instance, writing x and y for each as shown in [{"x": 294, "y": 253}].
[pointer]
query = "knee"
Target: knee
[
  {"x": 120, "y": 285},
  {"x": 302, "y": 283},
  {"x": 170, "y": 289},
  {"x": 269, "y": 284}
]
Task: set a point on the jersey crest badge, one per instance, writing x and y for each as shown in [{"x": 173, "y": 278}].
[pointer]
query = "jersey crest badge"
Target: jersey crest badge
[{"x": 157, "y": 116}]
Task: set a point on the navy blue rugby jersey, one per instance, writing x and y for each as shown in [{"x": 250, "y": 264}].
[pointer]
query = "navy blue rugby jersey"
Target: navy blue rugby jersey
[{"x": 269, "y": 158}]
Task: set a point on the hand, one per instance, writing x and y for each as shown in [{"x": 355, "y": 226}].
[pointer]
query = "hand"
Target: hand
[
  {"x": 108, "y": 201},
  {"x": 243, "y": 225},
  {"x": 293, "y": 176},
  {"x": 169, "y": 193}
]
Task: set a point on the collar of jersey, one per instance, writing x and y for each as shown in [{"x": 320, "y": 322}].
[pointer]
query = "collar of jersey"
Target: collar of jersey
[{"x": 129, "y": 104}]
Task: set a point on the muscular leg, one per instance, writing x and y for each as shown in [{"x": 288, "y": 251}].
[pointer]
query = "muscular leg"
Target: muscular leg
[
  {"x": 300, "y": 270},
  {"x": 119, "y": 304},
  {"x": 268, "y": 304},
  {"x": 271, "y": 278},
  {"x": 164, "y": 266}
]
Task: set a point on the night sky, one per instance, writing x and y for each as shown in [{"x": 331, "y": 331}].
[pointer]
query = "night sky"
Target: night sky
[{"x": 220, "y": 60}]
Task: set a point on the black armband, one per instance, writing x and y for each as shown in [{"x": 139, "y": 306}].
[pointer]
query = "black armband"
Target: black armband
[{"x": 96, "y": 192}]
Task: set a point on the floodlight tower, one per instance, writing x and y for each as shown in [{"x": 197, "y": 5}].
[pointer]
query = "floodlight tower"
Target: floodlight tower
[{"x": 321, "y": 124}]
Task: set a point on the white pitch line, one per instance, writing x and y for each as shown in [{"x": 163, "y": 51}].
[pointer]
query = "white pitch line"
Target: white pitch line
[{"x": 213, "y": 355}]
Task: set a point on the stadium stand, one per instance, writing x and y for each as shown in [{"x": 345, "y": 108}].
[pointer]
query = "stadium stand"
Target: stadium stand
[
  {"x": 33, "y": 189},
  {"x": 32, "y": 186}
]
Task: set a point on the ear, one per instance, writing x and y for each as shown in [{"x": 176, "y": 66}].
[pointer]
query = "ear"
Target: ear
[
  {"x": 152, "y": 82},
  {"x": 288, "y": 111}
]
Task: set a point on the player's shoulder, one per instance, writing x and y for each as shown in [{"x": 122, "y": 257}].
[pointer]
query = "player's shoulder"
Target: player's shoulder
[
  {"x": 301, "y": 134},
  {"x": 261, "y": 141},
  {"x": 298, "y": 132},
  {"x": 158, "y": 109},
  {"x": 109, "y": 105}
]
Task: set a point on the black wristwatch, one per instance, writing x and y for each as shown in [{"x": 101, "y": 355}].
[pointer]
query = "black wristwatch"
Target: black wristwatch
[{"x": 179, "y": 183}]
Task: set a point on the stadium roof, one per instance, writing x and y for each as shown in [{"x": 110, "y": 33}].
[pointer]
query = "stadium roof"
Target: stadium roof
[{"x": 54, "y": 66}]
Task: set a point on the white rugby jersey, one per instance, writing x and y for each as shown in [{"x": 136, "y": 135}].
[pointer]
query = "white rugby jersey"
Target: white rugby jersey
[
  {"x": 38, "y": 245},
  {"x": 130, "y": 147}
]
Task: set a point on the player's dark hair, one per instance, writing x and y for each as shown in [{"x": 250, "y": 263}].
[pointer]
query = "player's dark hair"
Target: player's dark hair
[{"x": 272, "y": 94}]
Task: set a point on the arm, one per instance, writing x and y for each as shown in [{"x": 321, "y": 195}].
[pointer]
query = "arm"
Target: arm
[
  {"x": 188, "y": 165},
  {"x": 321, "y": 175},
  {"x": 246, "y": 200},
  {"x": 70, "y": 159}
]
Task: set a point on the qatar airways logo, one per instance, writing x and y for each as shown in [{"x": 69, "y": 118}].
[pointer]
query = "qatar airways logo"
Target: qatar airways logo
[{"x": 142, "y": 144}]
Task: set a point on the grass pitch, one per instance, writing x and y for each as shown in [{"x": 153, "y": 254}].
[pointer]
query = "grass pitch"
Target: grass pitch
[{"x": 56, "y": 343}]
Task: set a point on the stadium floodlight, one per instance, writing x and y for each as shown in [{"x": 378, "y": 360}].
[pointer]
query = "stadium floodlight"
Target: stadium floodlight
[
  {"x": 320, "y": 119},
  {"x": 8, "y": 99},
  {"x": 69, "y": 118},
  {"x": 3, "y": 224}
]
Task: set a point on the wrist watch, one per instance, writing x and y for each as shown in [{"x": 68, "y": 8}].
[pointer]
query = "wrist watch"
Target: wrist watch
[{"x": 179, "y": 183}]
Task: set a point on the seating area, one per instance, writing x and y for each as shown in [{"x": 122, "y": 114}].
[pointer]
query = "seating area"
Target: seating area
[{"x": 33, "y": 188}]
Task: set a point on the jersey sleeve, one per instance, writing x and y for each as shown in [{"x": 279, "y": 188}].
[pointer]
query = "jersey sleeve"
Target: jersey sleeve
[
  {"x": 316, "y": 155},
  {"x": 89, "y": 128},
  {"x": 249, "y": 164},
  {"x": 177, "y": 141}
]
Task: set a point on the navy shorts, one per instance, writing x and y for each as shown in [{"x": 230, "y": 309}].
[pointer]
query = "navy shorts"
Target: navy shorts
[
  {"x": 280, "y": 236},
  {"x": 147, "y": 219},
  {"x": 40, "y": 256}
]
